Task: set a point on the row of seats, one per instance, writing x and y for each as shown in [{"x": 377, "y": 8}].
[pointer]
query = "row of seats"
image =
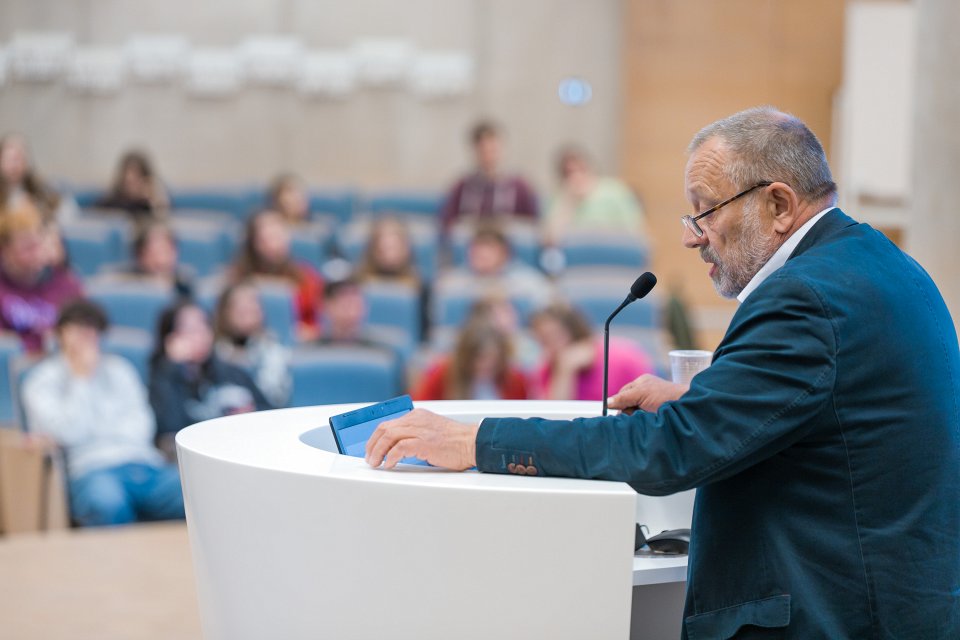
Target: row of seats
[
  {"x": 208, "y": 241},
  {"x": 342, "y": 205}
]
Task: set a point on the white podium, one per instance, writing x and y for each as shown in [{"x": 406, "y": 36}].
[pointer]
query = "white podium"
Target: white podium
[{"x": 292, "y": 540}]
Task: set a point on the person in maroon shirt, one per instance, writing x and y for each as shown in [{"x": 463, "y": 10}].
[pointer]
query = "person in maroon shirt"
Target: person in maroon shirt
[
  {"x": 487, "y": 191},
  {"x": 32, "y": 290}
]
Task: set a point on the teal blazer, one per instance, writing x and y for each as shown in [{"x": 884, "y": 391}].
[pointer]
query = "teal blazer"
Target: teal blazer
[{"x": 824, "y": 442}]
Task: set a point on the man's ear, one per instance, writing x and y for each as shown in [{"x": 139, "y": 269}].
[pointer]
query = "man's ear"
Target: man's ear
[{"x": 783, "y": 206}]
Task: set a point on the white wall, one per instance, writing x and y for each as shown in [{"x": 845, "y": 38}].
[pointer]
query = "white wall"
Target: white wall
[{"x": 373, "y": 138}]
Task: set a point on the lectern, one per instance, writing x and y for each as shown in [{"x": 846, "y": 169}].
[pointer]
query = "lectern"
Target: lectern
[{"x": 292, "y": 540}]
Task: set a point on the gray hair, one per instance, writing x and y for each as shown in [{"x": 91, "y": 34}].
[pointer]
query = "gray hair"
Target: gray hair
[{"x": 767, "y": 144}]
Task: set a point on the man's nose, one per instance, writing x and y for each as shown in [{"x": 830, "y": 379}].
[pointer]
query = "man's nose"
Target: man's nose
[{"x": 691, "y": 240}]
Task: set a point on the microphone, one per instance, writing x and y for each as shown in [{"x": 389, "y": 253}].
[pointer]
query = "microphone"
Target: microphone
[{"x": 640, "y": 288}]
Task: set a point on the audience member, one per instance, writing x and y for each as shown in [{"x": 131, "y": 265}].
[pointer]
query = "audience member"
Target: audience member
[
  {"x": 389, "y": 259},
  {"x": 479, "y": 368},
  {"x": 572, "y": 365},
  {"x": 265, "y": 255},
  {"x": 389, "y": 256},
  {"x": 591, "y": 203},
  {"x": 136, "y": 188},
  {"x": 498, "y": 310},
  {"x": 95, "y": 407},
  {"x": 156, "y": 259},
  {"x": 243, "y": 340},
  {"x": 188, "y": 382},
  {"x": 19, "y": 182},
  {"x": 32, "y": 290},
  {"x": 487, "y": 191},
  {"x": 491, "y": 267},
  {"x": 288, "y": 197}
]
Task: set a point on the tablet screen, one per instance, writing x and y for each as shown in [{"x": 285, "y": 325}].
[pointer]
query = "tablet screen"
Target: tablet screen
[{"x": 351, "y": 430}]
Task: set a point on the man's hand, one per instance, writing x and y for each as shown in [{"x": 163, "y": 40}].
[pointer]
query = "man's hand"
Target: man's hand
[
  {"x": 440, "y": 441},
  {"x": 647, "y": 393}
]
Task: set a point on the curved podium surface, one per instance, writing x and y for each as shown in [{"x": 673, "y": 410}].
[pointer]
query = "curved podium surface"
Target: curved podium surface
[{"x": 292, "y": 540}]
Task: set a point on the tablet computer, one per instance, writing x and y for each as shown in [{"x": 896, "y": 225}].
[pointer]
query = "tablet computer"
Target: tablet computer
[{"x": 352, "y": 429}]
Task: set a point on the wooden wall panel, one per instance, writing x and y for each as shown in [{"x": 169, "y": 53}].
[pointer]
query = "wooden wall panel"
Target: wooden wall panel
[{"x": 689, "y": 62}]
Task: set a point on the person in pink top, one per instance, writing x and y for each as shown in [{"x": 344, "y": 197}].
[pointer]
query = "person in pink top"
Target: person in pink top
[{"x": 572, "y": 363}]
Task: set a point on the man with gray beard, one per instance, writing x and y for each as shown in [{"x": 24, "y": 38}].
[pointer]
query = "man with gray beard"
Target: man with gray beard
[{"x": 824, "y": 440}]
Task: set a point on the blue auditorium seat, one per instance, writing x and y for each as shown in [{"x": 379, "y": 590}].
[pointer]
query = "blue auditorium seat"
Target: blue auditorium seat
[
  {"x": 394, "y": 305},
  {"x": 310, "y": 243},
  {"x": 205, "y": 245},
  {"x": 10, "y": 350},
  {"x": 135, "y": 345},
  {"x": 93, "y": 243},
  {"x": 605, "y": 250},
  {"x": 405, "y": 202},
  {"x": 229, "y": 200},
  {"x": 130, "y": 302},
  {"x": 333, "y": 375},
  {"x": 340, "y": 205}
]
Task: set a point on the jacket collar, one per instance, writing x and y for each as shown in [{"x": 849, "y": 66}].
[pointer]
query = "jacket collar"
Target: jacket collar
[{"x": 828, "y": 225}]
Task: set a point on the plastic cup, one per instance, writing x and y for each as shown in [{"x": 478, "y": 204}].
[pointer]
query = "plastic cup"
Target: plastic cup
[{"x": 686, "y": 364}]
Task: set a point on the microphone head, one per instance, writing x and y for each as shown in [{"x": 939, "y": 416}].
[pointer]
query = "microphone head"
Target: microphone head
[{"x": 643, "y": 285}]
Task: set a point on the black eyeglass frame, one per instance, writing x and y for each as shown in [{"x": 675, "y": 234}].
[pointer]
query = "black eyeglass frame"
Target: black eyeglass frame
[{"x": 690, "y": 222}]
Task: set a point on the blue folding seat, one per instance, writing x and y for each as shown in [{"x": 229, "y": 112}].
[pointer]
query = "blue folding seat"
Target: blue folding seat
[
  {"x": 394, "y": 305},
  {"x": 131, "y": 302},
  {"x": 93, "y": 243},
  {"x": 425, "y": 204},
  {"x": 605, "y": 250},
  {"x": 205, "y": 245},
  {"x": 133, "y": 344},
  {"x": 10, "y": 350},
  {"x": 229, "y": 200},
  {"x": 334, "y": 375}
]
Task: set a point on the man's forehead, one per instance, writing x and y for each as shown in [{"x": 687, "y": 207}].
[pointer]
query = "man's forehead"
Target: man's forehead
[{"x": 705, "y": 166}]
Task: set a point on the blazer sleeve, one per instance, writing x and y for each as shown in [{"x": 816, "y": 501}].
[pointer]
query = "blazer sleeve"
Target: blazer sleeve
[{"x": 773, "y": 372}]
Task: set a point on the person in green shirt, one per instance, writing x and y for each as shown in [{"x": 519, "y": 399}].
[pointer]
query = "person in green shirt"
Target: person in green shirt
[{"x": 588, "y": 202}]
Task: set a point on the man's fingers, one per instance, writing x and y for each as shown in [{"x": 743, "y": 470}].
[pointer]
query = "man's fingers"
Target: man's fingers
[
  {"x": 384, "y": 438},
  {"x": 403, "y": 448}
]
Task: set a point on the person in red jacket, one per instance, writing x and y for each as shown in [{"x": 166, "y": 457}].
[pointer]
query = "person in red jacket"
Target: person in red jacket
[
  {"x": 480, "y": 368},
  {"x": 265, "y": 256}
]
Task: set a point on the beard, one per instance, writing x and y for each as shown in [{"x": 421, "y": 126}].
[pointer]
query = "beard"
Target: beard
[{"x": 749, "y": 250}]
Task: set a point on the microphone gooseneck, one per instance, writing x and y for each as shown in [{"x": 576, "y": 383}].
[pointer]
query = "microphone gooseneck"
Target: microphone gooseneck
[{"x": 640, "y": 288}]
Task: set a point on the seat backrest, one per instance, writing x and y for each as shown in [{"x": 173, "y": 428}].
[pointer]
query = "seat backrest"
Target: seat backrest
[
  {"x": 394, "y": 305},
  {"x": 332, "y": 375},
  {"x": 131, "y": 302},
  {"x": 10, "y": 349}
]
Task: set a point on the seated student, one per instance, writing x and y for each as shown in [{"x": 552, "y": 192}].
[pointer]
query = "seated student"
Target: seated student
[
  {"x": 188, "y": 381},
  {"x": 572, "y": 364},
  {"x": 32, "y": 290},
  {"x": 265, "y": 255},
  {"x": 136, "y": 188},
  {"x": 590, "y": 203},
  {"x": 288, "y": 197},
  {"x": 490, "y": 266},
  {"x": 479, "y": 368},
  {"x": 389, "y": 259},
  {"x": 388, "y": 256},
  {"x": 243, "y": 340},
  {"x": 95, "y": 407},
  {"x": 487, "y": 191},
  {"x": 156, "y": 260},
  {"x": 20, "y": 183}
]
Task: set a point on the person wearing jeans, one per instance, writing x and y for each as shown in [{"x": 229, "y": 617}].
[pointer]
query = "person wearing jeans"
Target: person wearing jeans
[{"x": 94, "y": 406}]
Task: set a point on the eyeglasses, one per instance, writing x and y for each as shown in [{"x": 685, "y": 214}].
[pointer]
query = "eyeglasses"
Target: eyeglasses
[{"x": 690, "y": 222}]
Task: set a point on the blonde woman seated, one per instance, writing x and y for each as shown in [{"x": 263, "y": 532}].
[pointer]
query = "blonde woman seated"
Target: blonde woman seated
[{"x": 480, "y": 368}]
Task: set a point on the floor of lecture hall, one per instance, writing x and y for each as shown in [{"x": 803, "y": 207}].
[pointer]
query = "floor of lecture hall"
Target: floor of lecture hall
[{"x": 124, "y": 583}]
